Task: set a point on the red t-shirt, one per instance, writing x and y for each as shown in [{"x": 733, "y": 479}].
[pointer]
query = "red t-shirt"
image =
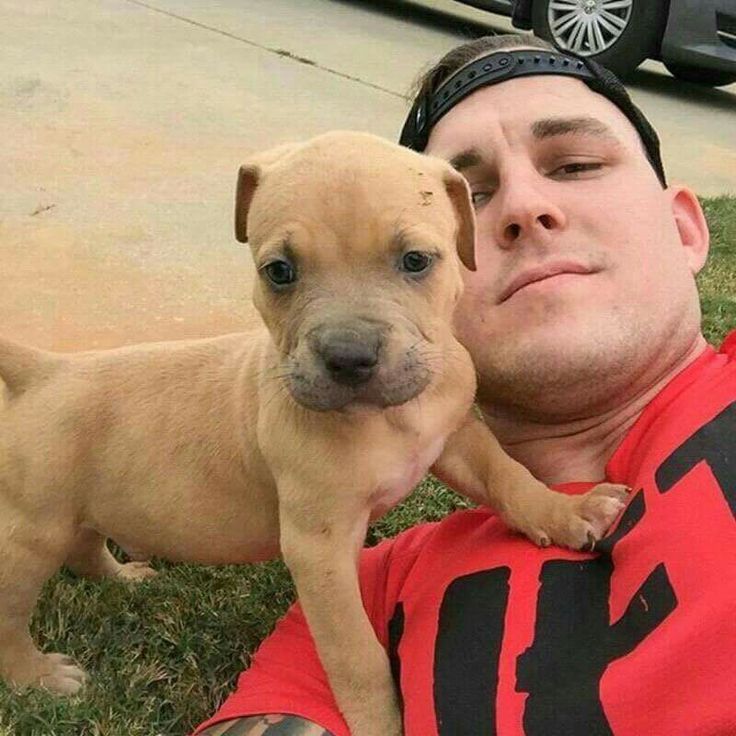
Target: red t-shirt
[{"x": 488, "y": 634}]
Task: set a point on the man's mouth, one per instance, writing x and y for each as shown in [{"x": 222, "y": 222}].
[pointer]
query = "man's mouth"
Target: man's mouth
[{"x": 542, "y": 273}]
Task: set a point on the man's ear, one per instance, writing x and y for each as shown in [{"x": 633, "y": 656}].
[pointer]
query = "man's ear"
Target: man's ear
[
  {"x": 691, "y": 225},
  {"x": 250, "y": 175},
  {"x": 459, "y": 193}
]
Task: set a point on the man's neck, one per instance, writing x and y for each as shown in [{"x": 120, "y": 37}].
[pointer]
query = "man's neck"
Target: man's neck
[{"x": 578, "y": 450}]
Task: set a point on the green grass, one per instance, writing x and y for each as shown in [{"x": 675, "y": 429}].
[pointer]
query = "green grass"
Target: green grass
[
  {"x": 164, "y": 653},
  {"x": 717, "y": 282}
]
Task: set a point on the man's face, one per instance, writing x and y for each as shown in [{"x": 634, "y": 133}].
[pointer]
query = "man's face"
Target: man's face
[{"x": 584, "y": 278}]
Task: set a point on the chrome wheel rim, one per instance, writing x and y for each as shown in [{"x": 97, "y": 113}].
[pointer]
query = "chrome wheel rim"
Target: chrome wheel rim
[{"x": 588, "y": 27}]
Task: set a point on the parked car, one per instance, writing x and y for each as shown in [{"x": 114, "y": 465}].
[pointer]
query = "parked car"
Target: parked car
[{"x": 696, "y": 39}]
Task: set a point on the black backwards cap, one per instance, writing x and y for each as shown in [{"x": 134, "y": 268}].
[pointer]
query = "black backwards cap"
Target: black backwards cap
[{"x": 499, "y": 66}]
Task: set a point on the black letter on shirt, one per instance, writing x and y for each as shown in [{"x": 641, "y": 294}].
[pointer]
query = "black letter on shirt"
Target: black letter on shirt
[
  {"x": 395, "y": 632},
  {"x": 469, "y": 636},
  {"x": 574, "y": 641},
  {"x": 715, "y": 443}
]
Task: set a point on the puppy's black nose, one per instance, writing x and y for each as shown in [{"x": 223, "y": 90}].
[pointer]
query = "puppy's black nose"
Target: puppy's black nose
[{"x": 350, "y": 361}]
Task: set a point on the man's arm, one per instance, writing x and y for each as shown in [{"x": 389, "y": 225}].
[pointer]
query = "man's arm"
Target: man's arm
[{"x": 267, "y": 725}]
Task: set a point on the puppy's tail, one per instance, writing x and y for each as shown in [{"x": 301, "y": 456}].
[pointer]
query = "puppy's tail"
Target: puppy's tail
[{"x": 21, "y": 366}]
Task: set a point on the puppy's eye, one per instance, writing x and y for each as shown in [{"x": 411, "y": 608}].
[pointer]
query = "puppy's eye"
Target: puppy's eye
[
  {"x": 415, "y": 262},
  {"x": 280, "y": 273}
]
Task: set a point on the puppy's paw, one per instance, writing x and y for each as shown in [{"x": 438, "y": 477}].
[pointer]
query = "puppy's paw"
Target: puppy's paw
[
  {"x": 134, "y": 572},
  {"x": 591, "y": 514},
  {"x": 60, "y": 674}
]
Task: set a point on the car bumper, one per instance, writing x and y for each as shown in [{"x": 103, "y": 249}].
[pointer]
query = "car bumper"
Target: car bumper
[{"x": 701, "y": 33}]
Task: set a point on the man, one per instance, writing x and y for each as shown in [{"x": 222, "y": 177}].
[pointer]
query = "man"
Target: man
[{"x": 584, "y": 323}]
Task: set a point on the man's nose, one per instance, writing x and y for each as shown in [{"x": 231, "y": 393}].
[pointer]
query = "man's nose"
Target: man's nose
[{"x": 528, "y": 212}]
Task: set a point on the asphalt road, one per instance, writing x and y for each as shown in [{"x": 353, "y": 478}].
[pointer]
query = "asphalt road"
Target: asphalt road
[{"x": 124, "y": 121}]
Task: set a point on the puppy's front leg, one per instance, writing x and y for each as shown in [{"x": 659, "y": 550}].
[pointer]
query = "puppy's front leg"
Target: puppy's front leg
[
  {"x": 476, "y": 465},
  {"x": 320, "y": 545}
]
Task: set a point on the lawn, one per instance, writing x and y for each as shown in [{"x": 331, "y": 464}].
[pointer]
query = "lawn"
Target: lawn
[{"x": 164, "y": 653}]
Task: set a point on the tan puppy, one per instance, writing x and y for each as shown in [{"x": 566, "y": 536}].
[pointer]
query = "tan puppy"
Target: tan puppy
[{"x": 292, "y": 435}]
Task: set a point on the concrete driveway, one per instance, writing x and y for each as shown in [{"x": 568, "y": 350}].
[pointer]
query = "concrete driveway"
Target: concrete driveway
[{"x": 123, "y": 123}]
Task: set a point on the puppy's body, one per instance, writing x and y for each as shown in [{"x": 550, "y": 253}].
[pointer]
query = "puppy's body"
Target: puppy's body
[
  {"x": 161, "y": 447},
  {"x": 288, "y": 437}
]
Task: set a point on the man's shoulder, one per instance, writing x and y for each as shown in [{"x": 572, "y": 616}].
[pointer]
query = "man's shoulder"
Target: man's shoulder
[
  {"x": 728, "y": 346},
  {"x": 696, "y": 402}
]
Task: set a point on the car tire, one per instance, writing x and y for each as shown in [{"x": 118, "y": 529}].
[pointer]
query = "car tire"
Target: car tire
[
  {"x": 619, "y": 45},
  {"x": 708, "y": 77}
]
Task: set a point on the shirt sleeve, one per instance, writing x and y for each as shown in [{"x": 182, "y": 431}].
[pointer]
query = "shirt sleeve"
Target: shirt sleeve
[
  {"x": 729, "y": 344},
  {"x": 286, "y": 675}
]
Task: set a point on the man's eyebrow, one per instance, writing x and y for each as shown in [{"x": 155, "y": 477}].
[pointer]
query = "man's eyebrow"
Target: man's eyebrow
[
  {"x": 465, "y": 159},
  {"x": 581, "y": 125},
  {"x": 544, "y": 128}
]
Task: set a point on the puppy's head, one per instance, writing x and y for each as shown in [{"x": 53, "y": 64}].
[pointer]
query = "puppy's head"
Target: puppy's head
[{"x": 358, "y": 244}]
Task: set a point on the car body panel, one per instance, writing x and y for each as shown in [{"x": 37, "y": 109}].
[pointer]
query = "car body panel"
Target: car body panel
[
  {"x": 691, "y": 35},
  {"x": 502, "y": 7},
  {"x": 699, "y": 33}
]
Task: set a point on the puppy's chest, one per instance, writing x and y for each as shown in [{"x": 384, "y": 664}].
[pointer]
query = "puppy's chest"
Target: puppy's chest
[{"x": 400, "y": 474}]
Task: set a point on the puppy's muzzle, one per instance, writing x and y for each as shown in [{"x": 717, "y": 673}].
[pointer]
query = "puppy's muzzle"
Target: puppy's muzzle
[
  {"x": 360, "y": 361},
  {"x": 349, "y": 355}
]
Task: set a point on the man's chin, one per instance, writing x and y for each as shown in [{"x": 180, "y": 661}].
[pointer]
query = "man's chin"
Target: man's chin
[{"x": 554, "y": 366}]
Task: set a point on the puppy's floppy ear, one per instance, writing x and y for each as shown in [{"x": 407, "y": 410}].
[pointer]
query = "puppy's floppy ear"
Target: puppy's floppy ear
[
  {"x": 459, "y": 193},
  {"x": 249, "y": 176}
]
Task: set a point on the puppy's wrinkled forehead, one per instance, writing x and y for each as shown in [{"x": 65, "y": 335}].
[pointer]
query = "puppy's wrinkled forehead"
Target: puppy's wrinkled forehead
[
  {"x": 353, "y": 188},
  {"x": 348, "y": 193}
]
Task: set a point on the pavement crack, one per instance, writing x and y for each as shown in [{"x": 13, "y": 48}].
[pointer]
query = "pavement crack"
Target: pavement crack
[
  {"x": 42, "y": 208},
  {"x": 277, "y": 51},
  {"x": 303, "y": 60}
]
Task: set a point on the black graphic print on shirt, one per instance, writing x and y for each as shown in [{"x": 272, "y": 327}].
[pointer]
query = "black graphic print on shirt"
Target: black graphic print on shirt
[{"x": 562, "y": 669}]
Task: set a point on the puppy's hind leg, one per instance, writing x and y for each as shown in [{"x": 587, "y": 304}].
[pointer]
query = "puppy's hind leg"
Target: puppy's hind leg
[
  {"x": 28, "y": 557},
  {"x": 90, "y": 558}
]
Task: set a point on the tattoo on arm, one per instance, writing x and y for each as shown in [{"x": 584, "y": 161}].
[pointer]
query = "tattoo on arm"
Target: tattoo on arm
[{"x": 268, "y": 725}]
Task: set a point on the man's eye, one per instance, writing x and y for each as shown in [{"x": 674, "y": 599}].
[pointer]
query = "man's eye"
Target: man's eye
[
  {"x": 481, "y": 197},
  {"x": 579, "y": 167},
  {"x": 280, "y": 273}
]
